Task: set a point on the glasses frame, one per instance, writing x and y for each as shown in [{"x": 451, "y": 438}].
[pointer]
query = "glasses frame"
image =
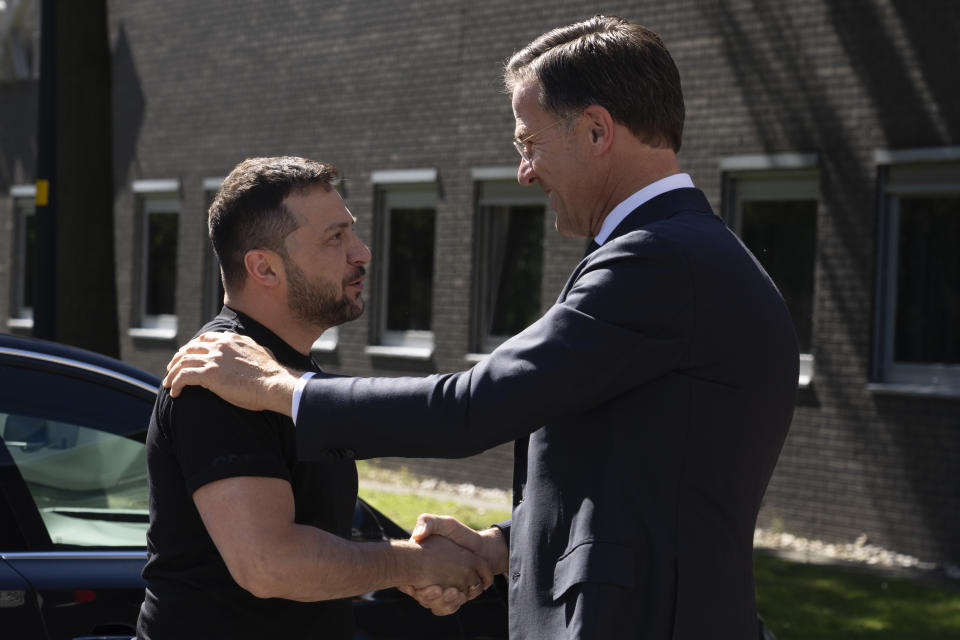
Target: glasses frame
[{"x": 520, "y": 143}]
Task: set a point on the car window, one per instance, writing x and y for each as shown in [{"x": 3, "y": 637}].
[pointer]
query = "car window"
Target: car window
[
  {"x": 89, "y": 485},
  {"x": 76, "y": 437}
]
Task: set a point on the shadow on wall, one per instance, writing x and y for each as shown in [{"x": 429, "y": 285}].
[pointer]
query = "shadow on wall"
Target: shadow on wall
[
  {"x": 896, "y": 88},
  {"x": 18, "y": 121},
  {"x": 129, "y": 105},
  {"x": 906, "y": 59}
]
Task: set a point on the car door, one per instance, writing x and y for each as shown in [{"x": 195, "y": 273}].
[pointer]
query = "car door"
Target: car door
[{"x": 73, "y": 488}]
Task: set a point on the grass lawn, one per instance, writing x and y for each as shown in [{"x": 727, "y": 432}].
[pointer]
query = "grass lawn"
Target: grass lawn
[
  {"x": 404, "y": 509},
  {"x": 798, "y": 601},
  {"x": 805, "y": 602}
]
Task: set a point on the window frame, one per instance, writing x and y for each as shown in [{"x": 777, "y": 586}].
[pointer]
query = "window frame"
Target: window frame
[
  {"x": 923, "y": 172},
  {"x": 775, "y": 177},
  {"x": 153, "y": 197},
  {"x": 494, "y": 186},
  {"x": 20, "y": 316},
  {"x": 394, "y": 189}
]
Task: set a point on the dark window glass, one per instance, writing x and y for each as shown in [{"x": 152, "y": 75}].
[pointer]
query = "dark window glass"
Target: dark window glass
[
  {"x": 29, "y": 244},
  {"x": 410, "y": 275},
  {"x": 513, "y": 268},
  {"x": 782, "y": 235},
  {"x": 928, "y": 281},
  {"x": 161, "y": 263}
]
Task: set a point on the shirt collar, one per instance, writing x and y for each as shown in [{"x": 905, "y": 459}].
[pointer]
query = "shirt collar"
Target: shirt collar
[
  {"x": 284, "y": 353},
  {"x": 625, "y": 208}
]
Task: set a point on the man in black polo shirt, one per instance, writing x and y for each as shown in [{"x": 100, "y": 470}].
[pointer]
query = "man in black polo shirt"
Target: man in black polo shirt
[{"x": 244, "y": 540}]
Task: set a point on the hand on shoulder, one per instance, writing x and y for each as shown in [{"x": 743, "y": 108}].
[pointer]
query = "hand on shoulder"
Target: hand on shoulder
[{"x": 235, "y": 368}]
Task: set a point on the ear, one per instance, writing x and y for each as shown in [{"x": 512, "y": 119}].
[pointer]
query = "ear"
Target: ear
[
  {"x": 263, "y": 267},
  {"x": 600, "y": 128}
]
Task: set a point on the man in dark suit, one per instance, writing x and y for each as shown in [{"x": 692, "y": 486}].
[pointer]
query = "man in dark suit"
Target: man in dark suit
[{"x": 649, "y": 404}]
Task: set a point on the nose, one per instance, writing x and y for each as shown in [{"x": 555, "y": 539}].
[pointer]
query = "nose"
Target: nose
[
  {"x": 359, "y": 253},
  {"x": 525, "y": 173}
]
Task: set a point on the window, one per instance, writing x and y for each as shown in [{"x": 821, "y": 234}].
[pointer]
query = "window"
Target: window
[
  {"x": 90, "y": 487},
  {"x": 508, "y": 270},
  {"x": 771, "y": 202},
  {"x": 406, "y": 219},
  {"x": 24, "y": 243},
  {"x": 918, "y": 320},
  {"x": 20, "y": 38},
  {"x": 80, "y": 459},
  {"x": 157, "y": 260}
]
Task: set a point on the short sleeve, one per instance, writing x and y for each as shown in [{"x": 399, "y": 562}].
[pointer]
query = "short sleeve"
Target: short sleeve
[{"x": 213, "y": 439}]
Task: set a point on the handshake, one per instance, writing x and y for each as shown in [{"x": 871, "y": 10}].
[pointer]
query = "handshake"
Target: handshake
[{"x": 458, "y": 562}]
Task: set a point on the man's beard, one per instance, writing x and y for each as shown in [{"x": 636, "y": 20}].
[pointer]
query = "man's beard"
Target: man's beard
[{"x": 324, "y": 305}]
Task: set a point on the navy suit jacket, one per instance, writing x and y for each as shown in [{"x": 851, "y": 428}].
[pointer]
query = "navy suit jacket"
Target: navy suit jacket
[{"x": 649, "y": 404}]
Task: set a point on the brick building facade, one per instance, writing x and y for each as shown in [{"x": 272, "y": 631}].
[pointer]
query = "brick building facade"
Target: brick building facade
[{"x": 826, "y": 133}]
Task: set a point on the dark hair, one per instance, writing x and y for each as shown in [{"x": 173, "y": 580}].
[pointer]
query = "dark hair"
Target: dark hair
[
  {"x": 249, "y": 212},
  {"x": 608, "y": 61}
]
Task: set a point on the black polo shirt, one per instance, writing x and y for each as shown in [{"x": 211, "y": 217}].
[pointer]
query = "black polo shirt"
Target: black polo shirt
[{"x": 198, "y": 438}]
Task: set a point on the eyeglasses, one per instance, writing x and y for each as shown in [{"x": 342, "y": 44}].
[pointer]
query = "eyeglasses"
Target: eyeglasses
[{"x": 521, "y": 144}]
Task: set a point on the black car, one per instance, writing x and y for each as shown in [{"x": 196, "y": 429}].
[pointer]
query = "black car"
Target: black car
[{"x": 73, "y": 507}]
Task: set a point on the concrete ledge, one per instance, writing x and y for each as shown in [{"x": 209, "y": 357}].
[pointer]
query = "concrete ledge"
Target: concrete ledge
[
  {"x": 408, "y": 353},
  {"x": 893, "y": 389}
]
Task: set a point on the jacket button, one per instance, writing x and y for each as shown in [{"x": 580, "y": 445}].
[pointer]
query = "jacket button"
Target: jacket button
[{"x": 515, "y": 576}]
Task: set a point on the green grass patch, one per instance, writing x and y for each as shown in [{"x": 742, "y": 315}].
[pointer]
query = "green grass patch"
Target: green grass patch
[
  {"x": 798, "y": 601},
  {"x": 804, "y": 601},
  {"x": 404, "y": 509}
]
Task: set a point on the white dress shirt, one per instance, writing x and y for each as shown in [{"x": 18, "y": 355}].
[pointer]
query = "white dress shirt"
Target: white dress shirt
[
  {"x": 649, "y": 192},
  {"x": 297, "y": 392}
]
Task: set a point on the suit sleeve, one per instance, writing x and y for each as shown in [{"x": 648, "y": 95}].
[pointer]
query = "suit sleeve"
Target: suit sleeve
[{"x": 623, "y": 322}]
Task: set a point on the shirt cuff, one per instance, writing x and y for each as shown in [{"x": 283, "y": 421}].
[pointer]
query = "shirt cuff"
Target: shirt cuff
[{"x": 297, "y": 392}]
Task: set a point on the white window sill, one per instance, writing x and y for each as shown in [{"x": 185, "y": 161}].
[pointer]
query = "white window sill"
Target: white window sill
[
  {"x": 476, "y": 357},
  {"x": 152, "y": 334},
  {"x": 407, "y": 353},
  {"x": 806, "y": 370},
  {"x": 324, "y": 346},
  {"x": 900, "y": 389},
  {"x": 327, "y": 343},
  {"x": 20, "y": 323}
]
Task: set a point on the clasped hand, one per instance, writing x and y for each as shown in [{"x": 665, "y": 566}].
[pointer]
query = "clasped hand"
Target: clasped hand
[{"x": 489, "y": 545}]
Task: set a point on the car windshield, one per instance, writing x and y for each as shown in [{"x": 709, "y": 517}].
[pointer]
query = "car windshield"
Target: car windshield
[{"x": 89, "y": 485}]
